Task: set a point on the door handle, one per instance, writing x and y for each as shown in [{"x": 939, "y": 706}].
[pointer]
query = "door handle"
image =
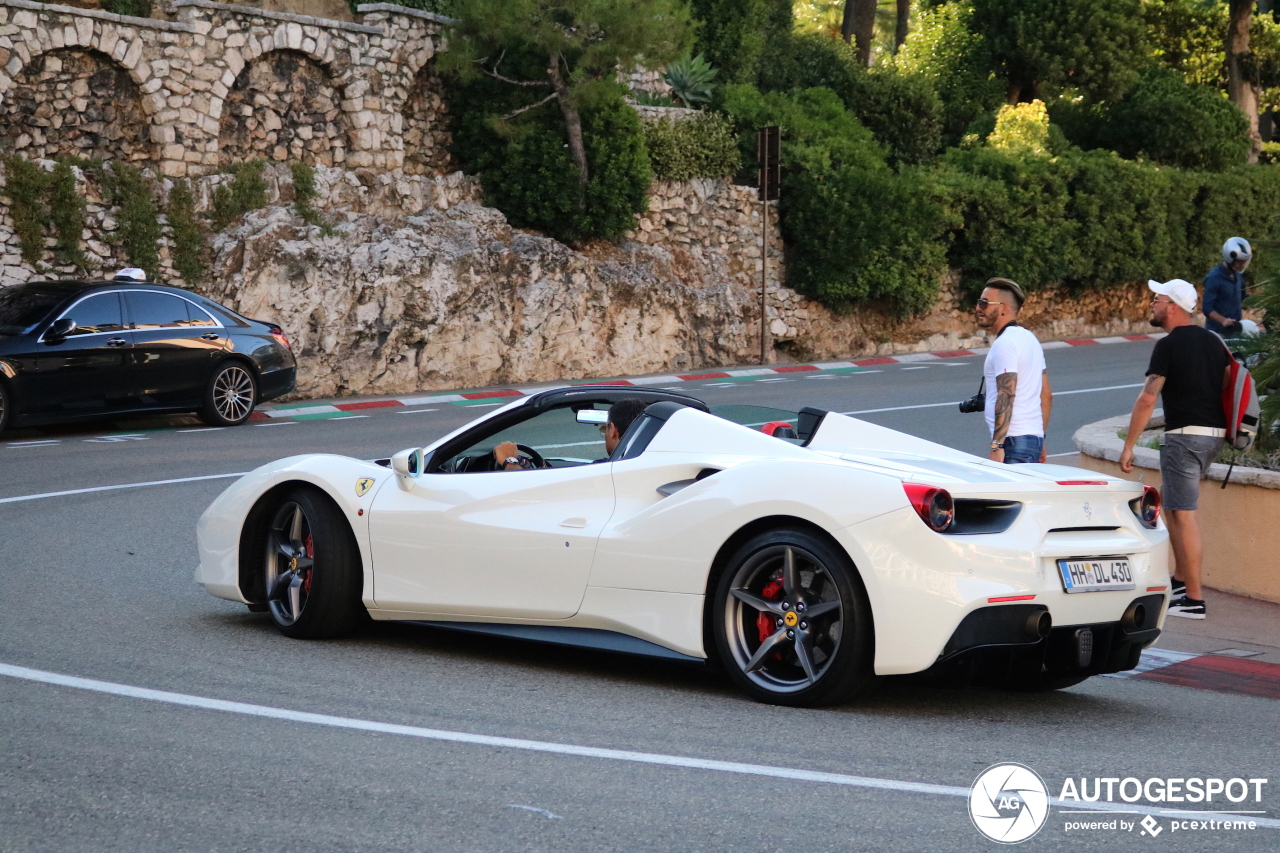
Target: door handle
[
  {"x": 574, "y": 522},
  {"x": 116, "y": 342},
  {"x": 210, "y": 336}
]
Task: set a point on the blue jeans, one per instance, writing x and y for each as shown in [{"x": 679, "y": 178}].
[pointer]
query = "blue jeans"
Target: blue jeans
[{"x": 1022, "y": 448}]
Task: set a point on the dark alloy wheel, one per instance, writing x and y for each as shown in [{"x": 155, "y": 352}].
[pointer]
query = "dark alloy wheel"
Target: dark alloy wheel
[
  {"x": 5, "y": 407},
  {"x": 311, "y": 572},
  {"x": 231, "y": 395},
  {"x": 792, "y": 623}
]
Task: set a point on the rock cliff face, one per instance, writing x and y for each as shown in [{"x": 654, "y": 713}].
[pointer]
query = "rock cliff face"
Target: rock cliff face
[{"x": 456, "y": 297}]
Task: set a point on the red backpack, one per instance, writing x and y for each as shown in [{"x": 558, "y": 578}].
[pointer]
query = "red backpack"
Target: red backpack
[{"x": 1240, "y": 403}]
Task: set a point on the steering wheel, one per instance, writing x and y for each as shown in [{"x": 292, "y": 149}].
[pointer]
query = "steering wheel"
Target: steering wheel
[{"x": 535, "y": 456}]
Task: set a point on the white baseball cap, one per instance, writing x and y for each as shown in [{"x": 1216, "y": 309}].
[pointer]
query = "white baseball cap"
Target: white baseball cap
[{"x": 1181, "y": 292}]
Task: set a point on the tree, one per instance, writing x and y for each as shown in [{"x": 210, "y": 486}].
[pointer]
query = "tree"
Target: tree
[
  {"x": 578, "y": 44},
  {"x": 860, "y": 25},
  {"x": 1242, "y": 85},
  {"x": 904, "y": 23},
  {"x": 1094, "y": 46}
]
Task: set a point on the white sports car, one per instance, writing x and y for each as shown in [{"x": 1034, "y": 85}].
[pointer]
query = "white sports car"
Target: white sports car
[{"x": 805, "y": 562}]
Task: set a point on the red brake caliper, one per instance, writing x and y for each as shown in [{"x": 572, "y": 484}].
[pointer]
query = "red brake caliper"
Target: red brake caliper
[
  {"x": 764, "y": 622},
  {"x": 309, "y": 551}
]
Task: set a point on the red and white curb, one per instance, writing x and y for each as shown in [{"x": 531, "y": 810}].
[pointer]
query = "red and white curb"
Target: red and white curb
[
  {"x": 496, "y": 397},
  {"x": 1220, "y": 672}
]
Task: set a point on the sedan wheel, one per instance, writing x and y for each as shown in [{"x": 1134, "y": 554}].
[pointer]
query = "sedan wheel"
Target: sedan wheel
[
  {"x": 792, "y": 623},
  {"x": 311, "y": 572},
  {"x": 230, "y": 397},
  {"x": 4, "y": 407}
]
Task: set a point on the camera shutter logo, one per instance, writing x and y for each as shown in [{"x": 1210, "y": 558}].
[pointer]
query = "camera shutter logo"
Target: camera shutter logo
[{"x": 1008, "y": 803}]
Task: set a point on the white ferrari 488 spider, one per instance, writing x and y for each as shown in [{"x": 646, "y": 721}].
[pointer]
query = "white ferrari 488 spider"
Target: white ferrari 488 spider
[{"x": 805, "y": 561}]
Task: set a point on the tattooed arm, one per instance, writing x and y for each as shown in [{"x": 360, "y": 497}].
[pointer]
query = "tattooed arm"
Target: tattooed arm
[
  {"x": 1142, "y": 409},
  {"x": 1006, "y": 390},
  {"x": 1046, "y": 409}
]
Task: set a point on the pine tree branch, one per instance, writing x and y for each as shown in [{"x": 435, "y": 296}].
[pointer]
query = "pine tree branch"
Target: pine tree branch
[{"x": 515, "y": 113}]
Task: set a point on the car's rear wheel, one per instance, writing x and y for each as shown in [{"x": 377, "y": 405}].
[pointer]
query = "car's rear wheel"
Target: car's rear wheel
[
  {"x": 230, "y": 395},
  {"x": 5, "y": 407},
  {"x": 792, "y": 623},
  {"x": 312, "y": 572}
]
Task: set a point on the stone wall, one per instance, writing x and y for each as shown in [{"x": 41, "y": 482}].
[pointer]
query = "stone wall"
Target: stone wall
[{"x": 219, "y": 83}]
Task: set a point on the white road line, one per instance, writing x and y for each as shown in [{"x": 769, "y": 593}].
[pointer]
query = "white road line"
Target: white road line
[
  {"x": 345, "y": 418},
  {"x": 921, "y": 367},
  {"x": 137, "y": 436},
  {"x": 1072, "y": 453},
  {"x": 957, "y": 402},
  {"x": 20, "y": 498},
  {"x": 281, "y": 423},
  {"x": 44, "y": 442},
  {"x": 202, "y": 429},
  {"x": 414, "y": 411},
  {"x": 267, "y": 711},
  {"x": 773, "y": 380}
]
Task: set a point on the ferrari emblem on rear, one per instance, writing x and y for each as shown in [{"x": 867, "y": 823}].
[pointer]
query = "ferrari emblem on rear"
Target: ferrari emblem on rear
[{"x": 363, "y": 485}]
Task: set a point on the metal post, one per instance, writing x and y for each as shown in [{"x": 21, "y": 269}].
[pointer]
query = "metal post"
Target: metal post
[{"x": 764, "y": 270}]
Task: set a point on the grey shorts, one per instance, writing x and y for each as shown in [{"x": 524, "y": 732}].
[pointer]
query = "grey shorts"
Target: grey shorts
[{"x": 1184, "y": 460}]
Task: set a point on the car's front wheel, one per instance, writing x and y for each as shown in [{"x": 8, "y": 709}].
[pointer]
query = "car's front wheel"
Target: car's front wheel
[
  {"x": 312, "y": 572},
  {"x": 230, "y": 396},
  {"x": 792, "y": 623}
]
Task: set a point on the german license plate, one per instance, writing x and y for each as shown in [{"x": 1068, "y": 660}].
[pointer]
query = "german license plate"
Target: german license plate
[{"x": 1096, "y": 574}]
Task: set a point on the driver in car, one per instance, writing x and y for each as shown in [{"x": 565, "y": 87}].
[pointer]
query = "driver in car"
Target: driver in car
[{"x": 506, "y": 456}]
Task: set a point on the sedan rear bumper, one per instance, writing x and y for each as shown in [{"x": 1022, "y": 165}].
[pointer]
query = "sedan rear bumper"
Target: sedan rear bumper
[{"x": 277, "y": 383}]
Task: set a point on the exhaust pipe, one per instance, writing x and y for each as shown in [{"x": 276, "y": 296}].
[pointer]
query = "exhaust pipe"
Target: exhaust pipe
[
  {"x": 1135, "y": 618},
  {"x": 1039, "y": 624}
]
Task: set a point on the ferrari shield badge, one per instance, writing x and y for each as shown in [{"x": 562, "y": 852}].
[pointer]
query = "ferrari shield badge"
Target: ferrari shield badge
[{"x": 363, "y": 485}]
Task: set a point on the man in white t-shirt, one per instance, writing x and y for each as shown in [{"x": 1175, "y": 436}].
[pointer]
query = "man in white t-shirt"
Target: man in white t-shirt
[{"x": 1019, "y": 399}]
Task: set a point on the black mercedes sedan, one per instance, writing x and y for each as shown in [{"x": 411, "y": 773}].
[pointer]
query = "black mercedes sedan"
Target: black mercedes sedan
[{"x": 75, "y": 350}]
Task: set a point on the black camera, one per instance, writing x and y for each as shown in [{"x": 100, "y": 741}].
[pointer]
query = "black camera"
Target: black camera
[{"x": 977, "y": 402}]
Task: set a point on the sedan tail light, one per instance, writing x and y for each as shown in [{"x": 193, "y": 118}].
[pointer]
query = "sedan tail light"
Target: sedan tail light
[
  {"x": 279, "y": 335},
  {"x": 1147, "y": 507},
  {"x": 933, "y": 505}
]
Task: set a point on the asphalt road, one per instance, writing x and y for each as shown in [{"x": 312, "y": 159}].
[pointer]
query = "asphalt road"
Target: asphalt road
[{"x": 98, "y": 585}]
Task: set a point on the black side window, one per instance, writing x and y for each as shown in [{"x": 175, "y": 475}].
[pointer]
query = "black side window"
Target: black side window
[
  {"x": 97, "y": 314},
  {"x": 151, "y": 310},
  {"x": 197, "y": 316}
]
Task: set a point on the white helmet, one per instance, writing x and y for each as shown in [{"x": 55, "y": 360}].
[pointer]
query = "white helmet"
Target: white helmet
[{"x": 1237, "y": 249}]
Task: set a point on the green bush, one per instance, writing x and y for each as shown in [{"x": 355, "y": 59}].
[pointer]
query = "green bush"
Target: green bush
[
  {"x": 1093, "y": 219},
  {"x": 744, "y": 39},
  {"x": 701, "y": 146},
  {"x": 139, "y": 223},
  {"x": 855, "y": 230},
  {"x": 1165, "y": 119},
  {"x": 24, "y": 186},
  {"x": 132, "y": 8},
  {"x": 526, "y": 171},
  {"x": 188, "y": 241},
  {"x": 901, "y": 110},
  {"x": 66, "y": 215},
  {"x": 304, "y": 192},
  {"x": 247, "y": 191}
]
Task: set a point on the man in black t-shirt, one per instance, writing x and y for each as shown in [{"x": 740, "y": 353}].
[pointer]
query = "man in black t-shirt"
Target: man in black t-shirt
[{"x": 1189, "y": 369}]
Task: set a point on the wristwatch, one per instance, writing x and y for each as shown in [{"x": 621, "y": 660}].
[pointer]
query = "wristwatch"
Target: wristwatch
[
  {"x": 513, "y": 460},
  {"x": 997, "y": 445}
]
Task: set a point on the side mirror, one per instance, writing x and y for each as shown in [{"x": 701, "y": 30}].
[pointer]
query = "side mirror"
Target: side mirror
[
  {"x": 408, "y": 464},
  {"x": 597, "y": 417},
  {"x": 61, "y": 327}
]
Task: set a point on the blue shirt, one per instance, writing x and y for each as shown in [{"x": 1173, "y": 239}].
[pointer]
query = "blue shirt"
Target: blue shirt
[{"x": 1224, "y": 293}]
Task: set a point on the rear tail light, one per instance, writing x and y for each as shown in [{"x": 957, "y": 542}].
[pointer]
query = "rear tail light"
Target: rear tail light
[
  {"x": 279, "y": 335},
  {"x": 1147, "y": 507},
  {"x": 933, "y": 505}
]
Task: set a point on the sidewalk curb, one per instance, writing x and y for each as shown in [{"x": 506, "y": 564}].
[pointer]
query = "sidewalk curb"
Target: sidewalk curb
[{"x": 485, "y": 397}]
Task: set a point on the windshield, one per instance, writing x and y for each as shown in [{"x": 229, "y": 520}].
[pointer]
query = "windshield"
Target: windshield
[{"x": 23, "y": 307}]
